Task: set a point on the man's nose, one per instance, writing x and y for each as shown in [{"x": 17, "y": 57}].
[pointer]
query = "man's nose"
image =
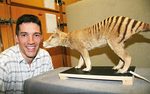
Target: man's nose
[{"x": 31, "y": 40}]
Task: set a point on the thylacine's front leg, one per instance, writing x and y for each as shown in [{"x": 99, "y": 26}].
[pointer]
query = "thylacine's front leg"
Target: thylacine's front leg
[
  {"x": 80, "y": 63},
  {"x": 86, "y": 58}
]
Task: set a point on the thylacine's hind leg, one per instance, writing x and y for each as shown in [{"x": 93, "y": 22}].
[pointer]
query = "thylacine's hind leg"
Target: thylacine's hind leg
[
  {"x": 118, "y": 48},
  {"x": 119, "y": 66}
]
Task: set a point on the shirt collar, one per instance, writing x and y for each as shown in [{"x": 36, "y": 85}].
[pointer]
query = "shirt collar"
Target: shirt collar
[{"x": 20, "y": 57}]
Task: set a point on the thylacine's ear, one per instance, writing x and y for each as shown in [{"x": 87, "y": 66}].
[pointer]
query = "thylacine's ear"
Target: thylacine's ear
[
  {"x": 58, "y": 30},
  {"x": 56, "y": 34},
  {"x": 60, "y": 33}
]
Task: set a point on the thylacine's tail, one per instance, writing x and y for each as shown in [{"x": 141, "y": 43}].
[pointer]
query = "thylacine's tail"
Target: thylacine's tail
[
  {"x": 139, "y": 76},
  {"x": 146, "y": 27},
  {"x": 143, "y": 27}
]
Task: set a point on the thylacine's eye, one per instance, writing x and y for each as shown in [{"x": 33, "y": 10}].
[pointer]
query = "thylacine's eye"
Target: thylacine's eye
[{"x": 52, "y": 36}]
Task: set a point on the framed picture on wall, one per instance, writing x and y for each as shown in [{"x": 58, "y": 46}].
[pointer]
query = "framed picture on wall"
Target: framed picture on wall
[{"x": 51, "y": 22}]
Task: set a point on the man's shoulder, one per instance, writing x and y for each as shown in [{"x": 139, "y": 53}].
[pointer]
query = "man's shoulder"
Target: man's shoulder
[
  {"x": 8, "y": 55},
  {"x": 43, "y": 52},
  {"x": 10, "y": 52}
]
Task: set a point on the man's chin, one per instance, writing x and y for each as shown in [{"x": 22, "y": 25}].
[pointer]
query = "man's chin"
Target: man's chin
[{"x": 31, "y": 55}]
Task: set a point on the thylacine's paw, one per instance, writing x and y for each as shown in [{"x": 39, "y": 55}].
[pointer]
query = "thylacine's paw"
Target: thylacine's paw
[
  {"x": 77, "y": 67},
  {"x": 114, "y": 68},
  {"x": 122, "y": 71},
  {"x": 87, "y": 69}
]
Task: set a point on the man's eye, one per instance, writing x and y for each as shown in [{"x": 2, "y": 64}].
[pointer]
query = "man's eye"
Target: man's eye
[
  {"x": 23, "y": 35},
  {"x": 37, "y": 35}
]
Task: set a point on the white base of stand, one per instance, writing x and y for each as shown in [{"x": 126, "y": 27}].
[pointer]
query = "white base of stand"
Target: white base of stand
[{"x": 102, "y": 73}]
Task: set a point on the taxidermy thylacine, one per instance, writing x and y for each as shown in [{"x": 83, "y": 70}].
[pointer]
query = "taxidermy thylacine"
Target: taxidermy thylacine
[{"x": 113, "y": 31}]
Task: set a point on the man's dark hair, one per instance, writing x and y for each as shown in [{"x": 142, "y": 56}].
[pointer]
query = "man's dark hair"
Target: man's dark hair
[{"x": 26, "y": 18}]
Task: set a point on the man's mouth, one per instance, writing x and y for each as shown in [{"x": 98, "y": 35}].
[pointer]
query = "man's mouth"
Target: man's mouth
[{"x": 31, "y": 48}]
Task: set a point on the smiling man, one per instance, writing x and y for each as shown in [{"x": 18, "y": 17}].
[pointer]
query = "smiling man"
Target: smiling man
[{"x": 26, "y": 59}]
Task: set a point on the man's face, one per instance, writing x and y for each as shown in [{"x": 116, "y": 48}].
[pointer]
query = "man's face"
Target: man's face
[{"x": 29, "y": 39}]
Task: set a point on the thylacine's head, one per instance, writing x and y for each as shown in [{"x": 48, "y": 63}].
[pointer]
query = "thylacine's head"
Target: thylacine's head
[{"x": 56, "y": 39}]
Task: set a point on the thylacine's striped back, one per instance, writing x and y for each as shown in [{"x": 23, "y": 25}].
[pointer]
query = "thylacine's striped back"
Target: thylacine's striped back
[{"x": 118, "y": 27}]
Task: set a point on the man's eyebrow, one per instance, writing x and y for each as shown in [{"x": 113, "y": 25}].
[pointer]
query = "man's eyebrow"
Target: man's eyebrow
[
  {"x": 27, "y": 32},
  {"x": 38, "y": 33},
  {"x": 22, "y": 32}
]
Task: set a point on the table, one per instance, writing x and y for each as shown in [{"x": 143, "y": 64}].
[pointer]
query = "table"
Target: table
[{"x": 50, "y": 83}]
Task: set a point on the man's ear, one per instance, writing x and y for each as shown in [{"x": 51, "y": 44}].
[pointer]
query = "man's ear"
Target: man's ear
[
  {"x": 42, "y": 38},
  {"x": 17, "y": 41}
]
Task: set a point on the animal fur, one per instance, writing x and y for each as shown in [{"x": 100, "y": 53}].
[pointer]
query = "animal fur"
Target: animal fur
[{"x": 113, "y": 31}]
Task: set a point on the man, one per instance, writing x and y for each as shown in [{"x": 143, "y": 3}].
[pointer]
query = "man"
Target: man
[{"x": 25, "y": 59}]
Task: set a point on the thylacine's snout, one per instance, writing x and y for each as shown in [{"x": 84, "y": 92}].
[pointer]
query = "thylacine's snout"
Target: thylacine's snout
[
  {"x": 46, "y": 44},
  {"x": 50, "y": 44}
]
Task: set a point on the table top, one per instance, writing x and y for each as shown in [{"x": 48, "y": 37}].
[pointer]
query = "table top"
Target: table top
[{"x": 50, "y": 83}]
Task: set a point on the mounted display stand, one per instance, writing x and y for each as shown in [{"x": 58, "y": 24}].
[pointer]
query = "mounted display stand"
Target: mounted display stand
[{"x": 97, "y": 72}]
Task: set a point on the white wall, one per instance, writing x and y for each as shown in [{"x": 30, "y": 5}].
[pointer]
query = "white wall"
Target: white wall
[{"x": 87, "y": 12}]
